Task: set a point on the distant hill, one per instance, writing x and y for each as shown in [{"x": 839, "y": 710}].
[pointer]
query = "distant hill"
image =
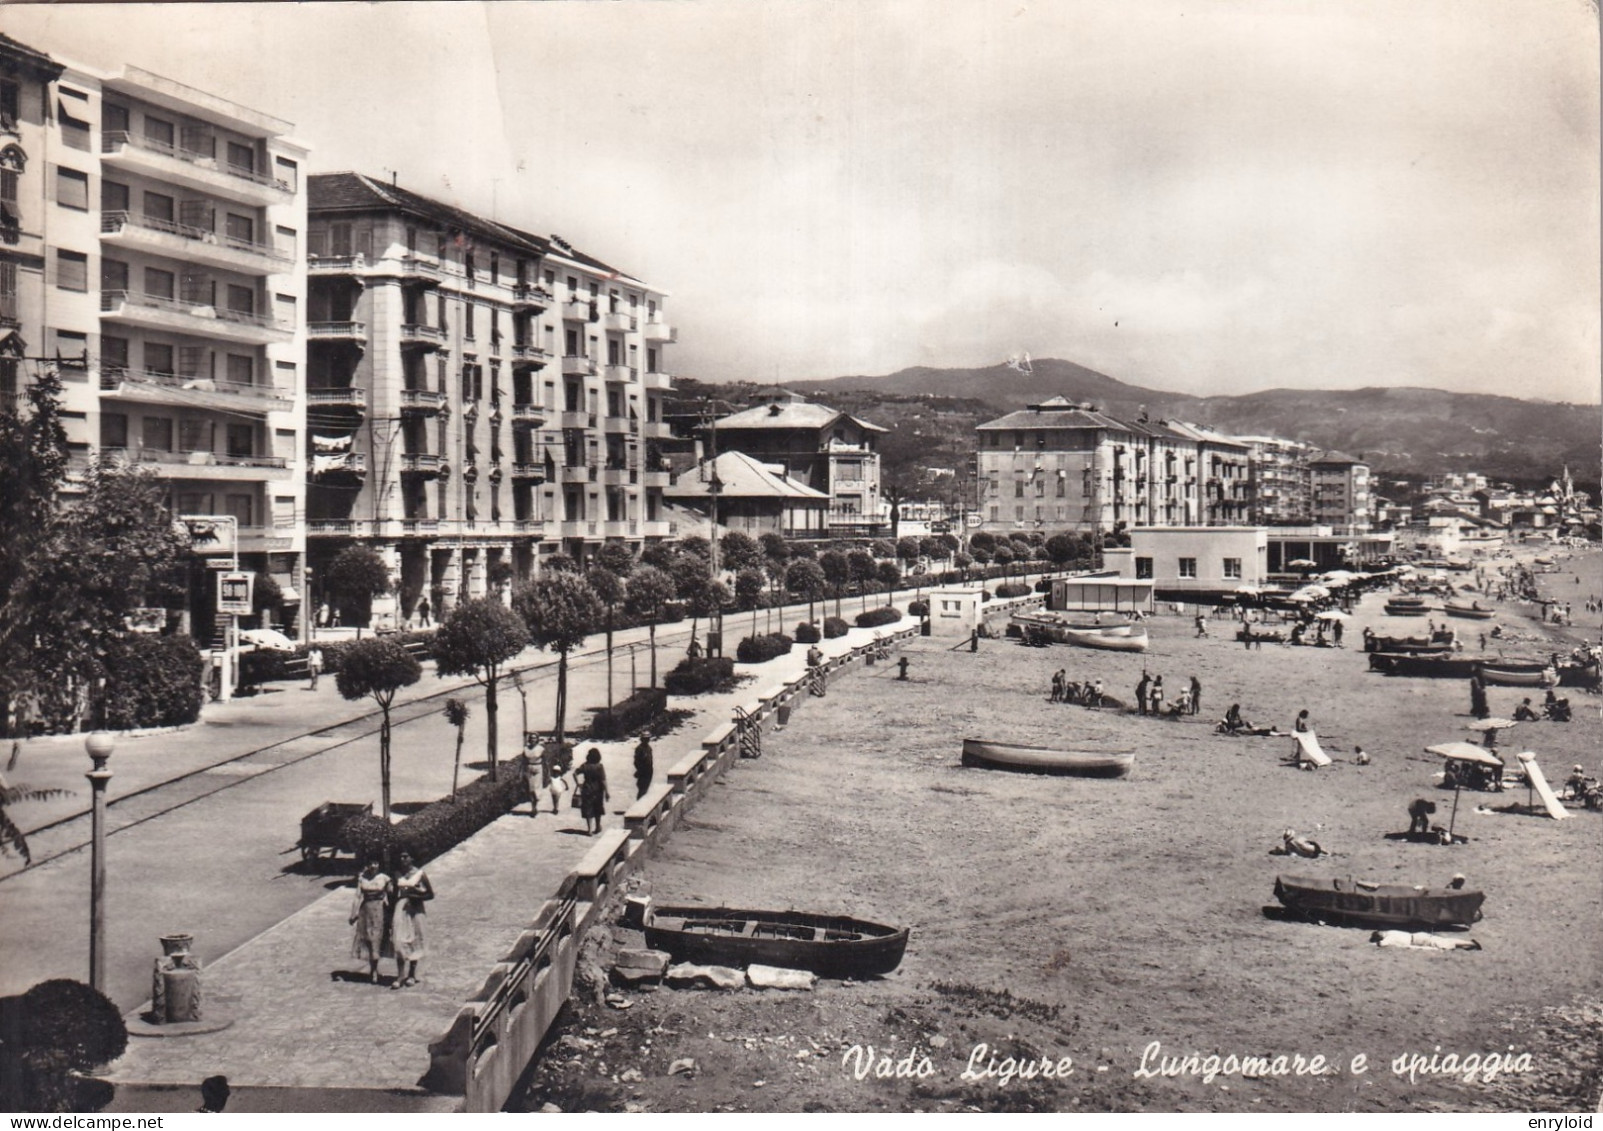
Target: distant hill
[{"x": 1406, "y": 430}]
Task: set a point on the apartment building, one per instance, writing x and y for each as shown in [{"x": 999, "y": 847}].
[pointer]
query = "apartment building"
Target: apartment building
[
  {"x": 479, "y": 397},
  {"x": 1224, "y": 467},
  {"x": 826, "y": 450},
  {"x": 1340, "y": 492},
  {"x": 1280, "y": 486},
  {"x": 153, "y": 244},
  {"x": 1060, "y": 465}
]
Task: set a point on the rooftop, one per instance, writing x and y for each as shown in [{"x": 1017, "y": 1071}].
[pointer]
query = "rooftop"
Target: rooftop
[
  {"x": 357, "y": 192},
  {"x": 742, "y": 477},
  {"x": 791, "y": 414}
]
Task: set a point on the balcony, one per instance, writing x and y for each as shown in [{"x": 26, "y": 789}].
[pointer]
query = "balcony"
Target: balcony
[
  {"x": 339, "y": 463},
  {"x": 659, "y": 381},
  {"x": 578, "y": 366},
  {"x": 657, "y": 330},
  {"x": 529, "y": 356},
  {"x": 577, "y": 473},
  {"x": 416, "y": 335},
  {"x": 580, "y": 528},
  {"x": 339, "y": 528},
  {"x": 199, "y": 171},
  {"x": 157, "y": 312},
  {"x": 575, "y": 310},
  {"x": 623, "y": 374},
  {"x": 577, "y": 420},
  {"x": 193, "y": 245},
  {"x": 617, "y": 425},
  {"x": 621, "y": 528},
  {"x": 654, "y": 478},
  {"x": 207, "y": 465},
  {"x": 422, "y": 402},
  {"x": 336, "y": 331},
  {"x": 534, "y": 299},
  {"x": 658, "y": 528},
  {"x": 534, "y": 472},
  {"x": 266, "y": 539},
  {"x": 525, "y": 415},
  {"x": 199, "y": 392},
  {"x": 336, "y": 265},
  {"x": 618, "y": 320},
  {"x": 527, "y": 526},
  {"x": 420, "y": 527},
  {"x": 421, "y": 464},
  {"x": 619, "y": 474},
  {"x": 343, "y": 397},
  {"x": 655, "y": 430},
  {"x": 422, "y": 271}
]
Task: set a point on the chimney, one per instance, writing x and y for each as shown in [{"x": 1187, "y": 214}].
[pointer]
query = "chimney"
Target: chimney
[{"x": 773, "y": 409}]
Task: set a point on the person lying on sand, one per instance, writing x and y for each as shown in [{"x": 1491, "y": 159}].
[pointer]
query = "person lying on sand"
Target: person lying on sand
[{"x": 1421, "y": 940}]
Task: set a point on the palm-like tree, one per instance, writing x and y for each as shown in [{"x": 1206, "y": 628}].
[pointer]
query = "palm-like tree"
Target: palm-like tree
[
  {"x": 456, "y": 713},
  {"x": 12, "y": 838}
]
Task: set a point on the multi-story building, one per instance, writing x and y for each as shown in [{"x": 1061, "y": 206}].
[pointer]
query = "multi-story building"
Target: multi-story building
[
  {"x": 828, "y": 451},
  {"x": 479, "y": 397},
  {"x": 1224, "y": 464},
  {"x": 166, "y": 222},
  {"x": 1339, "y": 489},
  {"x": 1060, "y": 465},
  {"x": 1280, "y": 484}
]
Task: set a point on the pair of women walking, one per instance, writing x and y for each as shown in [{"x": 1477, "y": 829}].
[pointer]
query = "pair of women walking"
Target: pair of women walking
[{"x": 399, "y": 902}]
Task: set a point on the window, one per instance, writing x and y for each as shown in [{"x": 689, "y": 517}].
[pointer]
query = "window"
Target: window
[
  {"x": 113, "y": 275},
  {"x": 113, "y": 430},
  {"x": 1018, "y": 514},
  {"x": 159, "y": 133},
  {"x": 241, "y": 369},
  {"x": 113, "y": 355},
  {"x": 158, "y": 433},
  {"x": 10, "y": 102},
  {"x": 72, "y": 189},
  {"x": 284, "y": 240},
  {"x": 72, "y": 349},
  {"x": 573, "y": 286},
  {"x": 1188, "y": 567},
  {"x": 113, "y": 118},
  {"x": 159, "y": 206},
  {"x": 240, "y": 506},
  {"x": 1143, "y": 567},
  {"x": 1063, "y": 488},
  {"x": 1018, "y": 489},
  {"x": 241, "y": 440},
  {"x": 196, "y": 435},
  {"x": 241, "y": 158},
  {"x": 288, "y": 172},
  {"x": 339, "y": 239},
  {"x": 441, "y": 322},
  {"x": 550, "y": 278},
  {"x": 240, "y": 229},
  {"x": 241, "y": 300},
  {"x": 159, "y": 283},
  {"x": 468, "y": 319},
  {"x": 113, "y": 197},
  {"x": 72, "y": 270},
  {"x": 158, "y": 357},
  {"x": 74, "y": 130},
  {"x": 1232, "y": 568},
  {"x": 495, "y": 266}
]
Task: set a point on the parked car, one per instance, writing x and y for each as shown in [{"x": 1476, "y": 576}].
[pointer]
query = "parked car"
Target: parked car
[{"x": 270, "y": 639}]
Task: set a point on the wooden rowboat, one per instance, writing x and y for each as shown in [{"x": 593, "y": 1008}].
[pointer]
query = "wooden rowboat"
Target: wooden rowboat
[
  {"x": 1533, "y": 674},
  {"x": 1056, "y": 625},
  {"x": 1410, "y": 610},
  {"x": 1128, "y": 638},
  {"x": 1468, "y": 612},
  {"x": 1360, "y": 901},
  {"x": 1046, "y": 759},
  {"x": 834, "y": 946},
  {"x": 1455, "y": 665}
]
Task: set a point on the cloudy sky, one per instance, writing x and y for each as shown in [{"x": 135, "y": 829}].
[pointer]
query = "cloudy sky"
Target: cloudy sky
[{"x": 1211, "y": 196}]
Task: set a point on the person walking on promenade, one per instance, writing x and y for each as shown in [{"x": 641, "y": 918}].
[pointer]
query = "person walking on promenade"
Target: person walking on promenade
[
  {"x": 367, "y": 916},
  {"x": 1196, "y": 695},
  {"x": 535, "y": 771},
  {"x": 412, "y": 891},
  {"x": 314, "y": 666},
  {"x": 1141, "y": 690},
  {"x": 643, "y": 766},
  {"x": 591, "y": 779},
  {"x": 556, "y": 785}
]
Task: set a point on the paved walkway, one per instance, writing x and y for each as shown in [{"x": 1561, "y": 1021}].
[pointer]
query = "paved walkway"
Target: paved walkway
[{"x": 292, "y": 980}]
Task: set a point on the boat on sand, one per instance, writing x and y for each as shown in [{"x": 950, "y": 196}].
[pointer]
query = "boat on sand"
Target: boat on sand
[
  {"x": 1360, "y": 901},
  {"x": 836, "y": 946},
  {"x": 1034, "y": 759}
]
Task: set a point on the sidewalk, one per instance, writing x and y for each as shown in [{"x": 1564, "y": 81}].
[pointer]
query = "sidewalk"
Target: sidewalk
[{"x": 289, "y": 981}]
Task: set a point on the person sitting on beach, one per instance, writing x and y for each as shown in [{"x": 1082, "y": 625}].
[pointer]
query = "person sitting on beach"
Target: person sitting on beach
[{"x": 1525, "y": 713}]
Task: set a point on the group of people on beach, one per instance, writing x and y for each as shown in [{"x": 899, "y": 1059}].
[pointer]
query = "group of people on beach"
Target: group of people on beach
[
  {"x": 1090, "y": 693},
  {"x": 1150, "y": 697}
]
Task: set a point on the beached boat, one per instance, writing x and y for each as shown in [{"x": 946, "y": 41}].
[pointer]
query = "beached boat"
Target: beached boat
[
  {"x": 1047, "y": 759},
  {"x": 1126, "y": 638},
  {"x": 1453, "y": 665},
  {"x": 1470, "y": 612},
  {"x": 1441, "y": 642},
  {"x": 1518, "y": 674},
  {"x": 1360, "y": 901},
  {"x": 832, "y": 945},
  {"x": 1393, "y": 609},
  {"x": 1056, "y": 624}
]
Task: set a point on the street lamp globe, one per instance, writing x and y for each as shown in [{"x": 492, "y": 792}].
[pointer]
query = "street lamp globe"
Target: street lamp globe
[{"x": 99, "y": 744}]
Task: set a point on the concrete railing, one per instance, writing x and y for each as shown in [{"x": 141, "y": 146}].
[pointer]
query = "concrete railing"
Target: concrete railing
[{"x": 495, "y": 1034}]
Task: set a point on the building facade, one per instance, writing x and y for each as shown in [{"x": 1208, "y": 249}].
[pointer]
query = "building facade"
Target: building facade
[
  {"x": 1339, "y": 491},
  {"x": 152, "y": 256},
  {"x": 751, "y": 497},
  {"x": 479, "y": 397},
  {"x": 1280, "y": 488},
  {"x": 831, "y": 452},
  {"x": 1193, "y": 560}
]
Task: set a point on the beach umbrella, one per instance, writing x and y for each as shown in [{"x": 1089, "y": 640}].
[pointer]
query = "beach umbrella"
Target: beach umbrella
[
  {"x": 1462, "y": 752},
  {"x": 1301, "y": 563}
]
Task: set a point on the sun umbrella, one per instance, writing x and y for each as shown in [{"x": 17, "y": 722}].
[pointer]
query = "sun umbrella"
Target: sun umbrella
[
  {"x": 1462, "y": 752},
  {"x": 1301, "y": 563},
  {"x": 1490, "y": 727}
]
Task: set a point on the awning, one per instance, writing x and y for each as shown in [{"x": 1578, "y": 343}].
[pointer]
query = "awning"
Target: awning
[{"x": 288, "y": 595}]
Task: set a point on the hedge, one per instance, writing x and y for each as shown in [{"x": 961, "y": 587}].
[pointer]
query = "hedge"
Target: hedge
[
  {"x": 1017, "y": 589},
  {"x": 807, "y": 633},
  {"x": 153, "y": 681},
  {"x": 918, "y": 608},
  {"x": 672, "y": 613},
  {"x": 694, "y": 677},
  {"x": 761, "y": 649},
  {"x": 633, "y": 714},
  {"x": 876, "y": 617},
  {"x": 441, "y": 825},
  {"x": 835, "y": 626},
  {"x": 264, "y": 665}
]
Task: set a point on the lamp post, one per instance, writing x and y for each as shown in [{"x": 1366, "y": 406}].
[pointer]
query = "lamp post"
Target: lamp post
[
  {"x": 716, "y": 633},
  {"x": 99, "y": 745}
]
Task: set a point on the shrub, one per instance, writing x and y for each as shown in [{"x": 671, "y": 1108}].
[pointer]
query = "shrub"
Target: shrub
[
  {"x": 153, "y": 681},
  {"x": 694, "y": 677},
  {"x": 835, "y": 626},
  {"x": 442, "y": 825},
  {"x": 50, "y": 1034},
  {"x": 918, "y": 608},
  {"x": 761, "y": 649},
  {"x": 1013, "y": 589},
  {"x": 672, "y": 612},
  {"x": 807, "y": 633},
  {"x": 887, "y": 614},
  {"x": 632, "y": 714},
  {"x": 985, "y": 595},
  {"x": 1043, "y": 586}
]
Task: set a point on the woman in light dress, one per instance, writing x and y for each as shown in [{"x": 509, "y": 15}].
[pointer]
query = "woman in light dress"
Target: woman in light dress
[
  {"x": 412, "y": 891},
  {"x": 367, "y": 916}
]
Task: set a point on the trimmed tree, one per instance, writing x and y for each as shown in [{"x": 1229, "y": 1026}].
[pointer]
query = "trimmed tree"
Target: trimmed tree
[
  {"x": 378, "y": 667},
  {"x": 864, "y": 569},
  {"x": 805, "y": 578},
  {"x": 352, "y": 580},
  {"x": 608, "y": 588},
  {"x": 837, "y": 572},
  {"x": 692, "y": 574},
  {"x": 645, "y": 593},
  {"x": 888, "y": 575},
  {"x": 738, "y": 551},
  {"x": 476, "y": 639},
  {"x": 560, "y": 610},
  {"x": 456, "y": 713},
  {"x": 749, "y": 586}
]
